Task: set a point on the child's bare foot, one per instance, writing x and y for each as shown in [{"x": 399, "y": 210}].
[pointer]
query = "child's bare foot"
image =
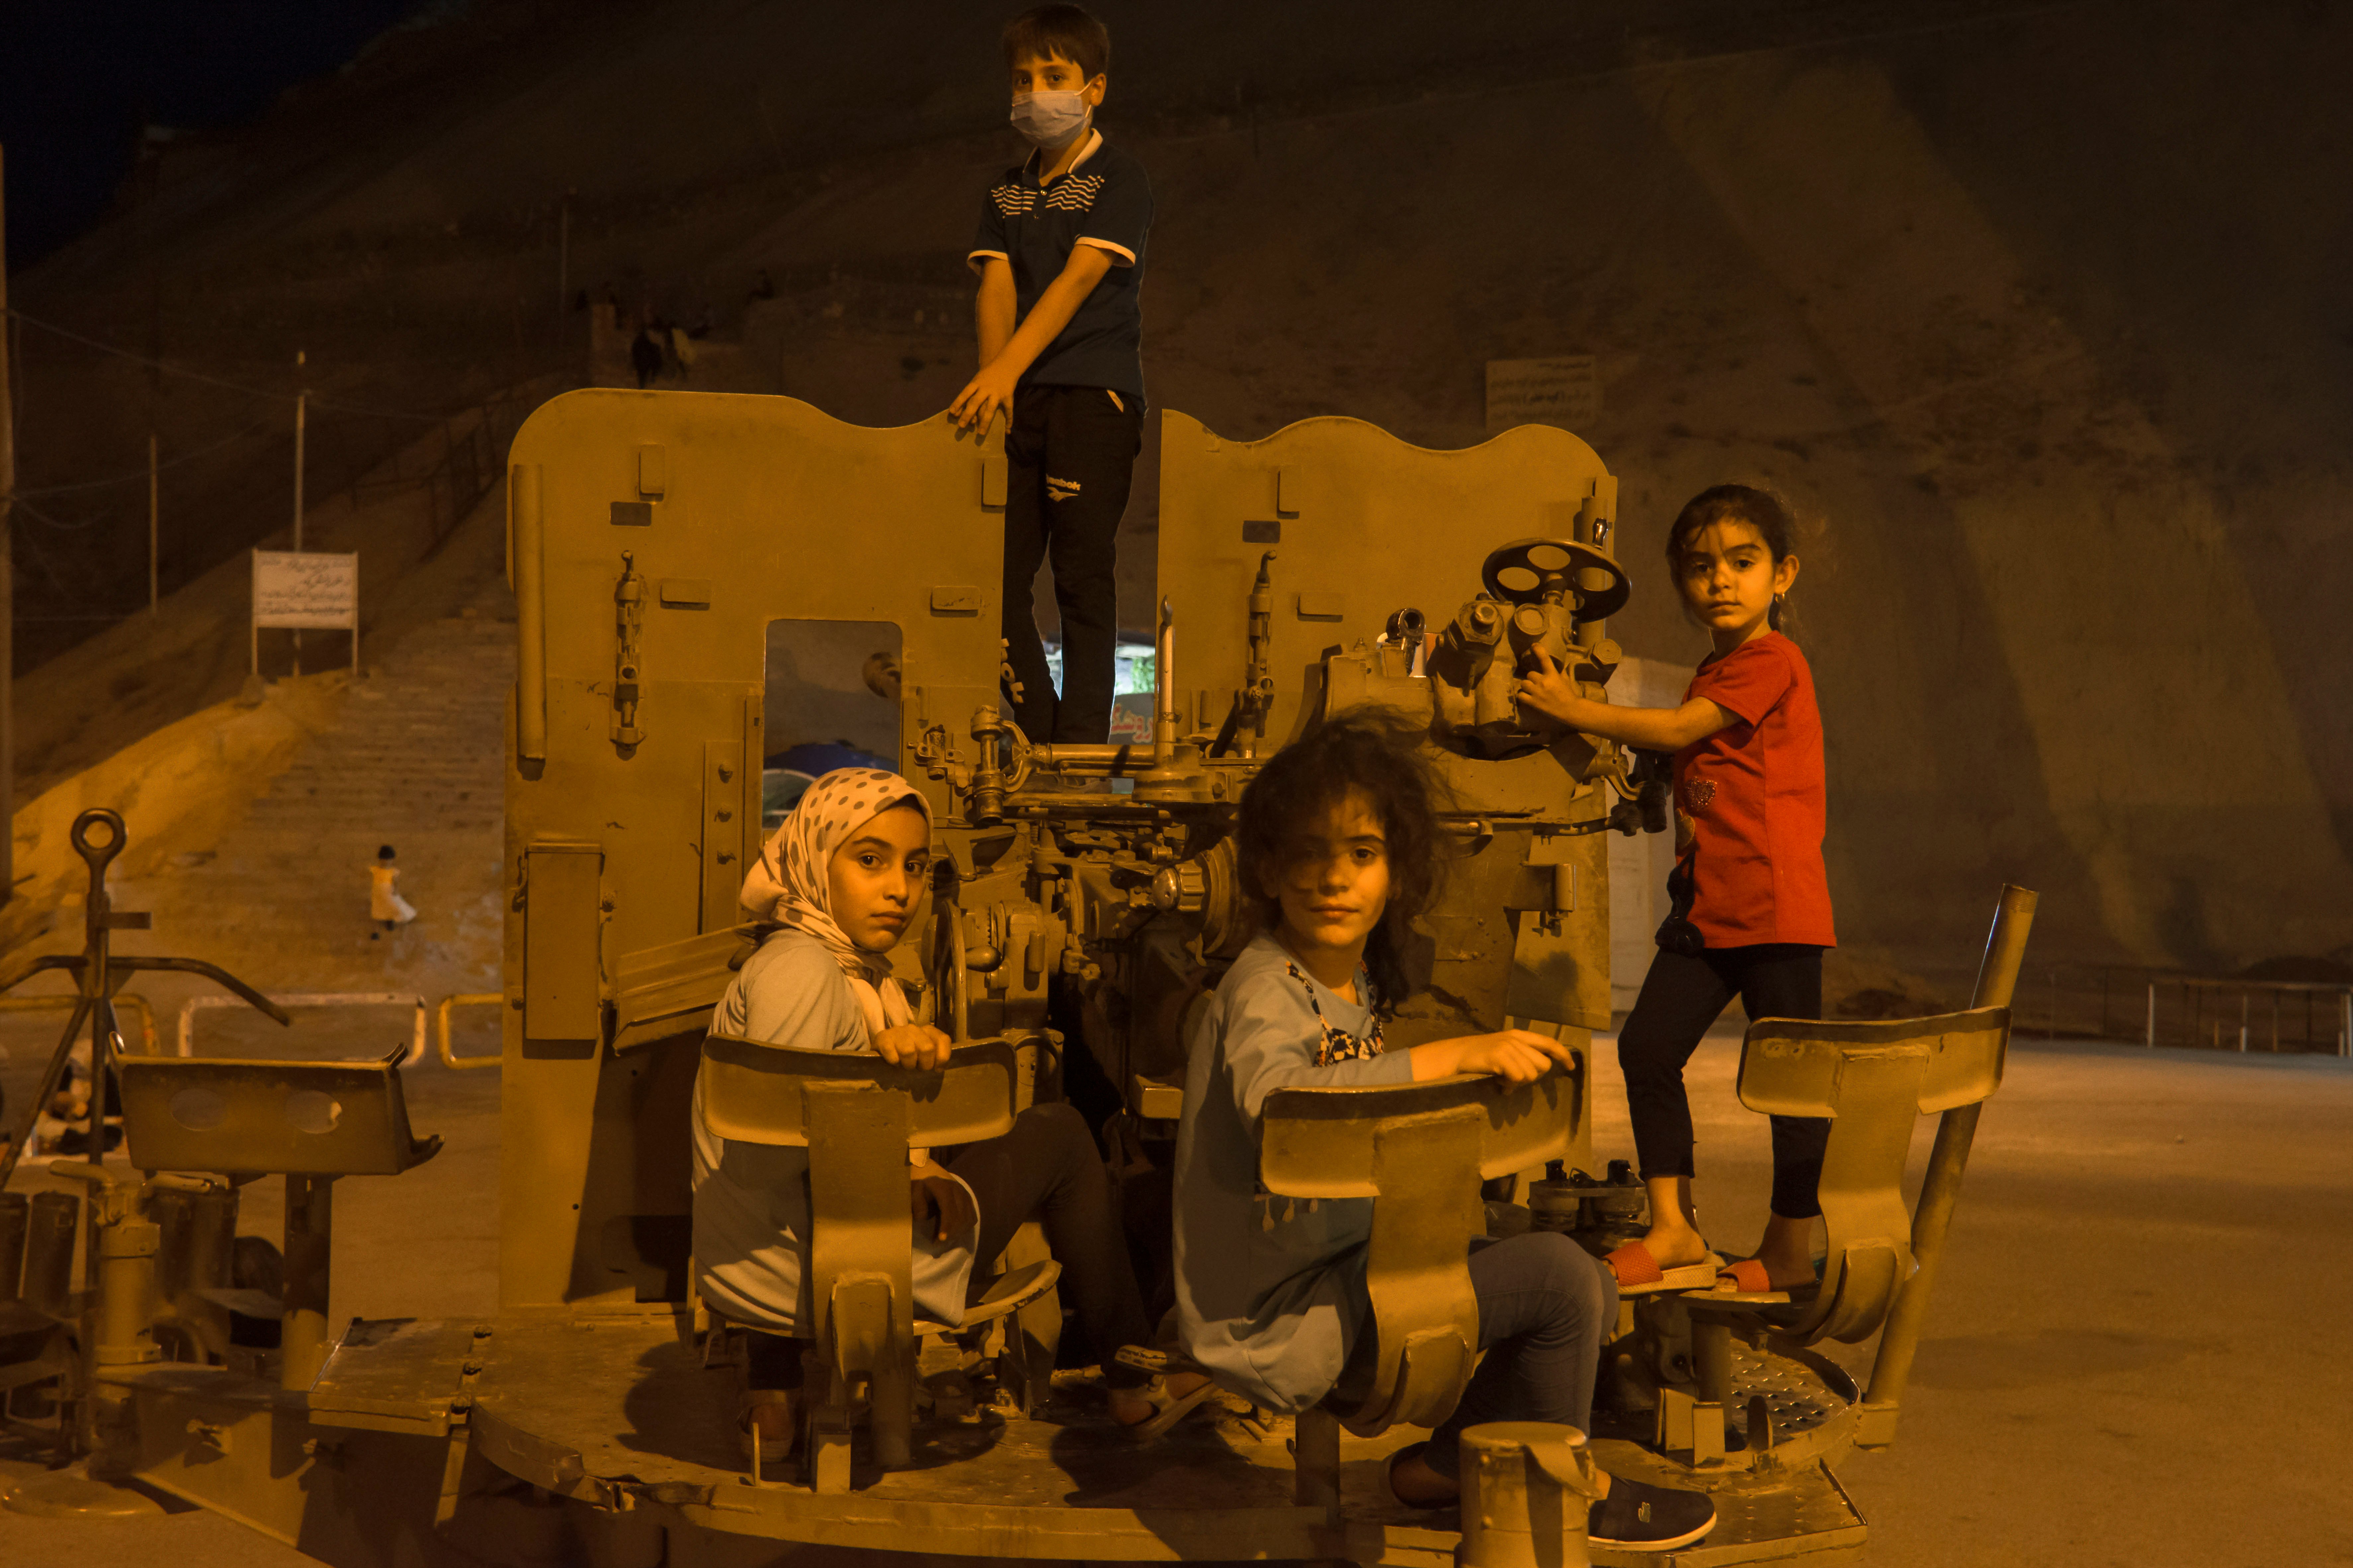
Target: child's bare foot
[
  {"x": 1787, "y": 1251},
  {"x": 1675, "y": 1243},
  {"x": 1786, "y": 1271},
  {"x": 1673, "y": 1239},
  {"x": 770, "y": 1413},
  {"x": 1134, "y": 1407}
]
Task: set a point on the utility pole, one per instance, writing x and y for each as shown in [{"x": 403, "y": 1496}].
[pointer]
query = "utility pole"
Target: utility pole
[
  {"x": 154, "y": 526},
  {"x": 301, "y": 407},
  {"x": 7, "y": 575},
  {"x": 301, "y": 403}
]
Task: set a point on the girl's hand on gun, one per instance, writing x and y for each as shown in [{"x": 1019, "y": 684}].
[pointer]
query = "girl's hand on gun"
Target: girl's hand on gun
[
  {"x": 1547, "y": 692},
  {"x": 938, "y": 1203},
  {"x": 917, "y": 1046},
  {"x": 1515, "y": 1055}
]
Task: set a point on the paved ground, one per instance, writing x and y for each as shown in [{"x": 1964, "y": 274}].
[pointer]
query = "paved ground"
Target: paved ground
[{"x": 2128, "y": 1361}]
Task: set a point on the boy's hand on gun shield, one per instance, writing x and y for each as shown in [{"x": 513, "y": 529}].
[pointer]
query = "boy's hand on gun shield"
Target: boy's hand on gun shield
[
  {"x": 917, "y": 1046},
  {"x": 981, "y": 398},
  {"x": 938, "y": 1203}
]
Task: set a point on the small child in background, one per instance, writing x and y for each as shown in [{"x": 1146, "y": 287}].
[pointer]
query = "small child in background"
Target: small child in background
[{"x": 385, "y": 906}]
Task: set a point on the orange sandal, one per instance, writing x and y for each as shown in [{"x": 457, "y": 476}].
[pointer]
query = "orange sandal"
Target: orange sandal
[
  {"x": 1638, "y": 1272},
  {"x": 1745, "y": 1277},
  {"x": 1749, "y": 1276}
]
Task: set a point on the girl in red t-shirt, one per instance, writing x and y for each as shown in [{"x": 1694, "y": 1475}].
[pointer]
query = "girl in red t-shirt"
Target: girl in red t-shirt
[{"x": 1752, "y": 904}]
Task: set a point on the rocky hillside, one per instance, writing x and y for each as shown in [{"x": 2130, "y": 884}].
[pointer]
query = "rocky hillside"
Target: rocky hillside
[{"x": 2038, "y": 312}]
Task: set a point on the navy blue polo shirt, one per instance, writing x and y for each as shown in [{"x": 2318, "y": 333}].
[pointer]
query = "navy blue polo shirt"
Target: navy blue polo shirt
[{"x": 1104, "y": 201}]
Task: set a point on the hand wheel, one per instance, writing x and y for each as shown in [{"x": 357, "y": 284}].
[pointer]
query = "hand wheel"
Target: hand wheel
[{"x": 1529, "y": 571}]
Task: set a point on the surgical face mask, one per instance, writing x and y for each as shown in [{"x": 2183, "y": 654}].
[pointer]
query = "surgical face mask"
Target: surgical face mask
[{"x": 1049, "y": 119}]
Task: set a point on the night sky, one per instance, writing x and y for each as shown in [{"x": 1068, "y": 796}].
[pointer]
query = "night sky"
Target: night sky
[{"x": 81, "y": 79}]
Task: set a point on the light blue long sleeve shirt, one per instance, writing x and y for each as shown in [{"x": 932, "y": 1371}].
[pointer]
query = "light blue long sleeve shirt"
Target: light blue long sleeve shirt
[
  {"x": 1270, "y": 1291},
  {"x": 752, "y": 1200}
]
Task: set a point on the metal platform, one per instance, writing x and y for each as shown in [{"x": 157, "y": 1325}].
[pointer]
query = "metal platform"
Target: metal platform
[{"x": 615, "y": 1411}]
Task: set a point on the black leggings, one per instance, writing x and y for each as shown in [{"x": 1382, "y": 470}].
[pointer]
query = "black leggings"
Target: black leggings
[
  {"x": 1682, "y": 997},
  {"x": 1047, "y": 1166}
]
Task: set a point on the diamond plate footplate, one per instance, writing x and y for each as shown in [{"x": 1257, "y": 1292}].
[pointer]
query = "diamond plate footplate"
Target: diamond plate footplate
[
  {"x": 1778, "y": 1516},
  {"x": 1806, "y": 1397}
]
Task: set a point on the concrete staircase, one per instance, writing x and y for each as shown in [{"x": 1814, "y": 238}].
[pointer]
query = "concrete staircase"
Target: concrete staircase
[
  {"x": 416, "y": 760},
  {"x": 420, "y": 748}
]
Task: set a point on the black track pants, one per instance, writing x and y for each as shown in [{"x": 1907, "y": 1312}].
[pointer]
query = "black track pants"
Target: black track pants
[
  {"x": 1682, "y": 997},
  {"x": 1047, "y": 1166},
  {"x": 1069, "y": 459}
]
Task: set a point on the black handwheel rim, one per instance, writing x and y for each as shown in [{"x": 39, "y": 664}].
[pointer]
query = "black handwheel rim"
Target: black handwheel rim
[{"x": 1535, "y": 574}]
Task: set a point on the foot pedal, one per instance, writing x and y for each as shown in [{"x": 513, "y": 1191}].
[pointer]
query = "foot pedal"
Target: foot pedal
[{"x": 828, "y": 1458}]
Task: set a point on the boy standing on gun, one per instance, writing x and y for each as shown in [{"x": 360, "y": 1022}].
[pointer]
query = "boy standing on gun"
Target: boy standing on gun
[{"x": 1061, "y": 258}]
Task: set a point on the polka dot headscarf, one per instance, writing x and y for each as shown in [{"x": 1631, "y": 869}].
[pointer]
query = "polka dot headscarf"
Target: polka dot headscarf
[{"x": 788, "y": 882}]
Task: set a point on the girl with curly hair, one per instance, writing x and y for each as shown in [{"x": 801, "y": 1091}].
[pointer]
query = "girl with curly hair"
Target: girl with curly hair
[{"x": 1338, "y": 846}]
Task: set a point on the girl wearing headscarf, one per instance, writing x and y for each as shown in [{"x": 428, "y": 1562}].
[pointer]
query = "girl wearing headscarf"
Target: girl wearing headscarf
[{"x": 836, "y": 887}]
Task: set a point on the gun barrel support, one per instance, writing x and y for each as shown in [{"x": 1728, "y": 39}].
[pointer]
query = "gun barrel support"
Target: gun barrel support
[
  {"x": 1258, "y": 693},
  {"x": 1164, "y": 688},
  {"x": 1164, "y": 780}
]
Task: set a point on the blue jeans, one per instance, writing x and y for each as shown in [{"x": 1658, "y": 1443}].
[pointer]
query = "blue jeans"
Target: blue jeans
[{"x": 1544, "y": 1304}]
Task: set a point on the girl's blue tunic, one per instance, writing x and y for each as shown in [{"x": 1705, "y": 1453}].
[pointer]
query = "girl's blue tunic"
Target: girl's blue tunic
[{"x": 1270, "y": 1291}]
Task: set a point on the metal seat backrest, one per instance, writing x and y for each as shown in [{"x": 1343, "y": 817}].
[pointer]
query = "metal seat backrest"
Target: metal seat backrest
[
  {"x": 857, "y": 1115},
  {"x": 1419, "y": 1150},
  {"x": 760, "y": 1093},
  {"x": 1873, "y": 1079},
  {"x": 291, "y": 1118}
]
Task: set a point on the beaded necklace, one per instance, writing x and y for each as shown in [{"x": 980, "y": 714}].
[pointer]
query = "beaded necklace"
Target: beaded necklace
[{"x": 1339, "y": 1045}]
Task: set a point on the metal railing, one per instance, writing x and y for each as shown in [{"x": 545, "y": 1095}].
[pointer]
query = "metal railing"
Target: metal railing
[
  {"x": 195, "y": 1005},
  {"x": 124, "y": 1001},
  {"x": 2209, "y": 1012},
  {"x": 450, "y": 1059},
  {"x": 416, "y": 1053},
  {"x": 2206, "y": 1019}
]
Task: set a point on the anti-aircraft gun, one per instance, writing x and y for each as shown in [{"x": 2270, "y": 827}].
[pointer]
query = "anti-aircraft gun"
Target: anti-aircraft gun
[
  {"x": 1308, "y": 610},
  {"x": 673, "y": 555}
]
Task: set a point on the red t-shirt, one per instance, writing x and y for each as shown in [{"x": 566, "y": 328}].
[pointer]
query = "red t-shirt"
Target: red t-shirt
[{"x": 1755, "y": 796}]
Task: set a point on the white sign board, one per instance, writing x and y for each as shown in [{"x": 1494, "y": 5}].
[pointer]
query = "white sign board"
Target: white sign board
[
  {"x": 307, "y": 588},
  {"x": 1566, "y": 392}
]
